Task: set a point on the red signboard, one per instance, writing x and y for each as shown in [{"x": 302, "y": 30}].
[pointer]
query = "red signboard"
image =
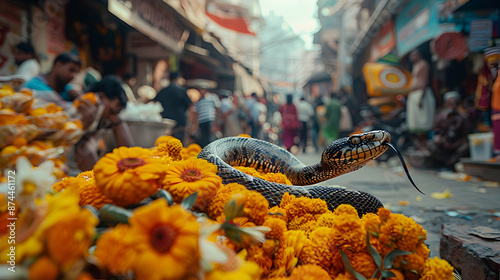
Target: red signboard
[{"x": 383, "y": 42}]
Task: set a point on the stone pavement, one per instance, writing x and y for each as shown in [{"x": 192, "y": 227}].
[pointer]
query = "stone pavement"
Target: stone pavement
[{"x": 472, "y": 203}]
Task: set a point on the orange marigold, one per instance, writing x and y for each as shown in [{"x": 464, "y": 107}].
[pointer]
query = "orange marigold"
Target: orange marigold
[
  {"x": 277, "y": 210},
  {"x": 43, "y": 269},
  {"x": 309, "y": 272},
  {"x": 129, "y": 175},
  {"x": 321, "y": 250},
  {"x": 257, "y": 255},
  {"x": 277, "y": 226},
  {"x": 166, "y": 237},
  {"x": 437, "y": 269},
  {"x": 363, "y": 263},
  {"x": 163, "y": 139},
  {"x": 87, "y": 190},
  {"x": 244, "y": 135},
  {"x": 184, "y": 178},
  {"x": 255, "y": 206},
  {"x": 216, "y": 206},
  {"x": 300, "y": 206},
  {"x": 290, "y": 249},
  {"x": 111, "y": 248}
]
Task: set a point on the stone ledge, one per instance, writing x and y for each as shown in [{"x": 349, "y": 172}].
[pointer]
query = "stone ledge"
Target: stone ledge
[{"x": 475, "y": 257}]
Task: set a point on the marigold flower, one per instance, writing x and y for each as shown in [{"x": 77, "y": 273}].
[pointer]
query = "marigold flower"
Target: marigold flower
[
  {"x": 437, "y": 269},
  {"x": 243, "y": 270},
  {"x": 320, "y": 249},
  {"x": 163, "y": 139},
  {"x": 277, "y": 226},
  {"x": 255, "y": 206},
  {"x": 277, "y": 178},
  {"x": 75, "y": 231},
  {"x": 244, "y": 135},
  {"x": 166, "y": 237},
  {"x": 290, "y": 249},
  {"x": 216, "y": 205},
  {"x": 309, "y": 272},
  {"x": 297, "y": 207},
  {"x": 257, "y": 255},
  {"x": 362, "y": 262},
  {"x": 113, "y": 245},
  {"x": 43, "y": 269},
  {"x": 277, "y": 212},
  {"x": 129, "y": 175},
  {"x": 191, "y": 151},
  {"x": 87, "y": 189},
  {"x": 184, "y": 178},
  {"x": 171, "y": 148}
]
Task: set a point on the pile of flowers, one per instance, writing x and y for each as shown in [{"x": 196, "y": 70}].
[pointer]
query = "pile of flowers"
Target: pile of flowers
[
  {"x": 36, "y": 130},
  {"x": 161, "y": 213}
]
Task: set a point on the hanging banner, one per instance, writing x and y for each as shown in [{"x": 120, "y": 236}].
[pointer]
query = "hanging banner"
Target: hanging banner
[
  {"x": 382, "y": 79},
  {"x": 383, "y": 42},
  {"x": 421, "y": 21}
]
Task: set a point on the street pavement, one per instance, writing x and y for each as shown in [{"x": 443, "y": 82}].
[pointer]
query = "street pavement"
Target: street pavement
[{"x": 473, "y": 202}]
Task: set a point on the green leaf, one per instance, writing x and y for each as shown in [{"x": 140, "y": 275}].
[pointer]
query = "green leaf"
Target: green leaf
[
  {"x": 389, "y": 259},
  {"x": 164, "y": 194},
  {"x": 349, "y": 268},
  {"x": 189, "y": 201},
  {"x": 232, "y": 210},
  {"x": 375, "y": 273},
  {"x": 388, "y": 273},
  {"x": 111, "y": 214},
  {"x": 375, "y": 255}
]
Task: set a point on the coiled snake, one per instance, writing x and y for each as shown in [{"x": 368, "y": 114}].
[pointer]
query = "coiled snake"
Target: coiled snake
[{"x": 341, "y": 156}]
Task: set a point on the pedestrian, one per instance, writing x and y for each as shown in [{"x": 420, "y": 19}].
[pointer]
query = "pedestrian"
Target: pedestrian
[
  {"x": 290, "y": 122},
  {"x": 495, "y": 112},
  {"x": 333, "y": 115},
  {"x": 175, "y": 103},
  {"x": 207, "y": 110},
  {"x": 112, "y": 99},
  {"x": 305, "y": 112},
  {"x": 229, "y": 114},
  {"x": 421, "y": 102},
  {"x": 54, "y": 86},
  {"x": 25, "y": 58},
  {"x": 256, "y": 111}
]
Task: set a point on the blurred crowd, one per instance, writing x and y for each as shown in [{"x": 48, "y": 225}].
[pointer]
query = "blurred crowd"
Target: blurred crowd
[{"x": 203, "y": 113}]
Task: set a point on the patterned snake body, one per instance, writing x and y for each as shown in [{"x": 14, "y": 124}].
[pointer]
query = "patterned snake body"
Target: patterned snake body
[{"x": 341, "y": 156}]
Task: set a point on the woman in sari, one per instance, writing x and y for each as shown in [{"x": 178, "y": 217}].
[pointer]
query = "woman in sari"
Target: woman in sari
[{"x": 290, "y": 122}]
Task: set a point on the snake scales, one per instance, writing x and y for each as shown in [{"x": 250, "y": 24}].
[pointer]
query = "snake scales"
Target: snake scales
[{"x": 341, "y": 156}]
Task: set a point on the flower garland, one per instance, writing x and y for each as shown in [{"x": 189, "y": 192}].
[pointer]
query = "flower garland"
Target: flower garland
[{"x": 175, "y": 219}]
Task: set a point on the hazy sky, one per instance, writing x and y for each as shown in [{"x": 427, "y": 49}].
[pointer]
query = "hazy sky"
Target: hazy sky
[{"x": 299, "y": 14}]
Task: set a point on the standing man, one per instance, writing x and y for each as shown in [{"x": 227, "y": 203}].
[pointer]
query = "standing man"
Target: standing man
[
  {"x": 54, "y": 86},
  {"x": 207, "y": 109},
  {"x": 305, "y": 112},
  {"x": 28, "y": 66},
  {"x": 175, "y": 102},
  {"x": 421, "y": 103},
  {"x": 333, "y": 113}
]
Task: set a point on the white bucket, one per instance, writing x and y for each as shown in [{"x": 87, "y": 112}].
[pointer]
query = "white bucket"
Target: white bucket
[{"x": 481, "y": 145}]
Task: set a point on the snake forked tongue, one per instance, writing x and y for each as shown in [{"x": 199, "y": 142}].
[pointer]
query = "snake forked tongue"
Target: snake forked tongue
[{"x": 404, "y": 165}]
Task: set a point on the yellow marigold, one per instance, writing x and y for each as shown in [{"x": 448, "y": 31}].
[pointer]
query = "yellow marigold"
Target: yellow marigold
[
  {"x": 249, "y": 170},
  {"x": 216, "y": 206},
  {"x": 277, "y": 210},
  {"x": 403, "y": 232},
  {"x": 129, "y": 175},
  {"x": 290, "y": 249},
  {"x": 277, "y": 226},
  {"x": 165, "y": 237},
  {"x": 437, "y": 269},
  {"x": 86, "y": 175},
  {"x": 87, "y": 189},
  {"x": 245, "y": 270},
  {"x": 111, "y": 248},
  {"x": 43, "y": 269},
  {"x": 349, "y": 230},
  {"x": 76, "y": 232},
  {"x": 347, "y": 276},
  {"x": 163, "y": 139},
  {"x": 268, "y": 176},
  {"x": 309, "y": 272},
  {"x": 171, "y": 148},
  {"x": 345, "y": 209},
  {"x": 270, "y": 246},
  {"x": 257, "y": 255},
  {"x": 184, "y": 178},
  {"x": 321, "y": 250},
  {"x": 372, "y": 223},
  {"x": 277, "y": 178}
]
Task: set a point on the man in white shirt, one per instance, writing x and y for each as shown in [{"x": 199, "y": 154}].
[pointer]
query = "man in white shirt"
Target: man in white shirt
[
  {"x": 305, "y": 112},
  {"x": 28, "y": 66}
]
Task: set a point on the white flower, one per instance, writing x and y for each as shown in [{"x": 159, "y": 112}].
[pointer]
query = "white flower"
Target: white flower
[
  {"x": 210, "y": 251},
  {"x": 32, "y": 184}
]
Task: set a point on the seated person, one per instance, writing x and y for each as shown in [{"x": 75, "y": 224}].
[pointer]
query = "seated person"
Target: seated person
[
  {"x": 451, "y": 127},
  {"x": 112, "y": 100},
  {"x": 54, "y": 86}
]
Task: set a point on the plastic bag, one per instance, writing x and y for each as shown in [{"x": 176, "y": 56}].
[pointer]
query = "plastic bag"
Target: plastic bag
[{"x": 150, "y": 112}]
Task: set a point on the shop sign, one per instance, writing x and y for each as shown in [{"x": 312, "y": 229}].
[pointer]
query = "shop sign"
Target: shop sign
[
  {"x": 383, "y": 42},
  {"x": 152, "y": 18},
  {"x": 421, "y": 21}
]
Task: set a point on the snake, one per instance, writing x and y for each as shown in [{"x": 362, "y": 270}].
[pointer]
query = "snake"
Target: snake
[{"x": 341, "y": 156}]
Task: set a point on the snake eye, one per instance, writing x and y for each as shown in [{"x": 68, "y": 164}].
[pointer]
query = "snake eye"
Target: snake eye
[{"x": 355, "y": 140}]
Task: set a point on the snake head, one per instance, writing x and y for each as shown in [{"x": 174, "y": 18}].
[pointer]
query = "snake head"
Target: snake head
[{"x": 353, "y": 152}]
